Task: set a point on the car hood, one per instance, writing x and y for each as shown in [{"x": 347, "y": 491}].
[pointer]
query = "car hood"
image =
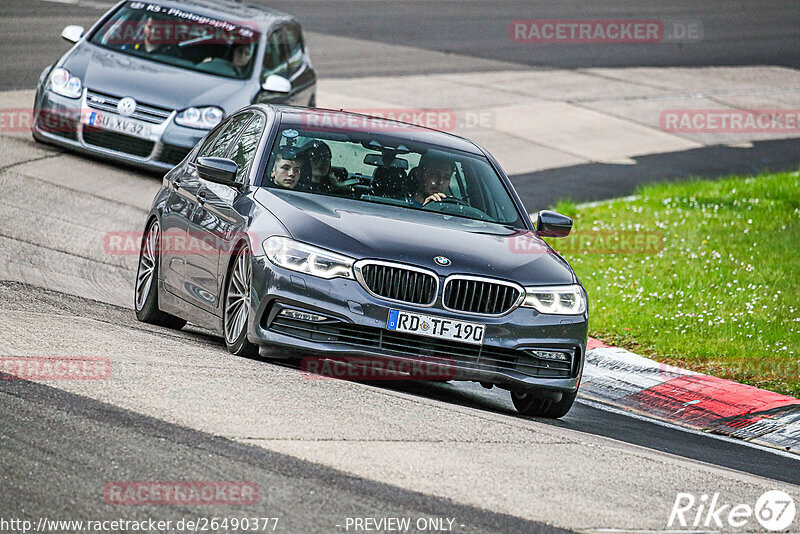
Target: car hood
[
  {"x": 363, "y": 230},
  {"x": 119, "y": 74}
]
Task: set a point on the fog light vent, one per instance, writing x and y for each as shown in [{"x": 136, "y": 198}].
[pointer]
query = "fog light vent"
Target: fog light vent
[
  {"x": 302, "y": 316},
  {"x": 550, "y": 355}
]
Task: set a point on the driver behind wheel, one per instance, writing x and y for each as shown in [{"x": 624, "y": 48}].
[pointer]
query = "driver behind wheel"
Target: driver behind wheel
[
  {"x": 154, "y": 39},
  {"x": 433, "y": 178}
]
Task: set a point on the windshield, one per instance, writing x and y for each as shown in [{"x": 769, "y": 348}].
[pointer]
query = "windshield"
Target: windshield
[
  {"x": 389, "y": 170},
  {"x": 180, "y": 38}
]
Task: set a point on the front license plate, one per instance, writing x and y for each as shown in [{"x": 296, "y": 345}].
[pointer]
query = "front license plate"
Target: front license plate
[
  {"x": 119, "y": 124},
  {"x": 438, "y": 327}
]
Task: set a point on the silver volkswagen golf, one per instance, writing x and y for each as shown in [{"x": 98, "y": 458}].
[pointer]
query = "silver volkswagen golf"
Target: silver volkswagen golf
[{"x": 150, "y": 79}]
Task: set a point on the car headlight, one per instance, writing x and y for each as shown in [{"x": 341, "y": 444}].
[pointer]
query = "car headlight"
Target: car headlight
[
  {"x": 65, "y": 84},
  {"x": 200, "y": 118},
  {"x": 296, "y": 256},
  {"x": 557, "y": 300}
]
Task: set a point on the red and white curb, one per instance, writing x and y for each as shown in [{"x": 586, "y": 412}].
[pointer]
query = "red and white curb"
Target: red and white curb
[{"x": 624, "y": 380}]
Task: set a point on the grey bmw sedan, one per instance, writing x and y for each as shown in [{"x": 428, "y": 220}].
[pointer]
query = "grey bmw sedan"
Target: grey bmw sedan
[
  {"x": 353, "y": 239},
  {"x": 150, "y": 79}
]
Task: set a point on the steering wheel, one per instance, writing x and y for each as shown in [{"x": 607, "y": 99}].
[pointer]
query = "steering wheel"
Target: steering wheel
[{"x": 452, "y": 200}]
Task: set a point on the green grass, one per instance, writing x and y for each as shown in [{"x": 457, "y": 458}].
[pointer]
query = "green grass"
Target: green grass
[{"x": 723, "y": 294}]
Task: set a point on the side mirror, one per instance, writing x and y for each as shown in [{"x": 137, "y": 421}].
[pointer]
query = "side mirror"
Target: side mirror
[
  {"x": 553, "y": 224},
  {"x": 72, "y": 34},
  {"x": 277, "y": 84},
  {"x": 217, "y": 170}
]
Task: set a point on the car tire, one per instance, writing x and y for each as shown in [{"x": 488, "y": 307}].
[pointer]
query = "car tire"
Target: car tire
[
  {"x": 529, "y": 405},
  {"x": 145, "y": 297},
  {"x": 236, "y": 306}
]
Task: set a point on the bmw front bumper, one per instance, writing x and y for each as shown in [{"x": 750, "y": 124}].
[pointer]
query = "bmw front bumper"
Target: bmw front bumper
[{"x": 356, "y": 326}]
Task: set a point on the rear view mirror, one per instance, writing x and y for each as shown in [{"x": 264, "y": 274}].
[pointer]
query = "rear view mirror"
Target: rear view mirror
[
  {"x": 553, "y": 224},
  {"x": 376, "y": 160},
  {"x": 277, "y": 84},
  {"x": 217, "y": 170},
  {"x": 72, "y": 34}
]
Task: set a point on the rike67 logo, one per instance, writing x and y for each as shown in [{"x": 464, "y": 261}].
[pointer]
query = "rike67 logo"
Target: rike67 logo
[{"x": 774, "y": 511}]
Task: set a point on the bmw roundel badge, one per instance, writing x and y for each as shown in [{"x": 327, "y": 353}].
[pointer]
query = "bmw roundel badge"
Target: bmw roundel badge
[{"x": 441, "y": 260}]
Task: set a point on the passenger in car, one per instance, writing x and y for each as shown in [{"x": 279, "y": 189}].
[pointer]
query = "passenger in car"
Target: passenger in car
[
  {"x": 432, "y": 177},
  {"x": 239, "y": 59},
  {"x": 317, "y": 174},
  {"x": 286, "y": 171},
  {"x": 316, "y": 167}
]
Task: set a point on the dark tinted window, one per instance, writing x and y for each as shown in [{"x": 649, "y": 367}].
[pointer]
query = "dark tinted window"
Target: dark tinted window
[
  {"x": 275, "y": 56},
  {"x": 209, "y": 139},
  {"x": 219, "y": 147},
  {"x": 245, "y": 148},
  {"x": 284, "y": 53},
  {"x": 294, "y": 47}
]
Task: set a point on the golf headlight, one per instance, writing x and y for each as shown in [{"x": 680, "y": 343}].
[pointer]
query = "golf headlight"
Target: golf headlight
[
  {"x": 557, "y": 300},
  {"x": 296, "y": 256},
  {"x": 200, "y": 118},
  {"x": 65, "y": 84}
]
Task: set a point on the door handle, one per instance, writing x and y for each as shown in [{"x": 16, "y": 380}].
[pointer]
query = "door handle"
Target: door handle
[
  {"x": 176, "y": 183},
  {"x": 201, "y": 197}
]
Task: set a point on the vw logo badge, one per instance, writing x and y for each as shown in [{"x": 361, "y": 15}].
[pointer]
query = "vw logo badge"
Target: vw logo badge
[
  {"x": 126, "y": 106},
  {"x": 441, "y": 260}
]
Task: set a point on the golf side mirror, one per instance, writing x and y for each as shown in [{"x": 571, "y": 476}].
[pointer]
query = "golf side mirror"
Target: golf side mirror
[
  {"x": 277, "y": 84},
  {"x": 72, "y": 34}
]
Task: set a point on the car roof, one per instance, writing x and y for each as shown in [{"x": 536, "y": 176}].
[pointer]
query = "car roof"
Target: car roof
[
  {"x": 297, "y": 117},
  {"x": 235, "y": 10}
]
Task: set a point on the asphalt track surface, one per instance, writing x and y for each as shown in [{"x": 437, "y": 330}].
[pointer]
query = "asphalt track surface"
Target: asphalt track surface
[
  {"x": 59, "y": 447},
  {"x": 89, "y": 437},
  {"x": 734, "y": 33}
]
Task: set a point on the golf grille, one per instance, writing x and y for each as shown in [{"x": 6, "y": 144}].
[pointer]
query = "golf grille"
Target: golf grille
[
  {"x": 119, "y": 142},
  {"x": 144, "y": 112}
]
